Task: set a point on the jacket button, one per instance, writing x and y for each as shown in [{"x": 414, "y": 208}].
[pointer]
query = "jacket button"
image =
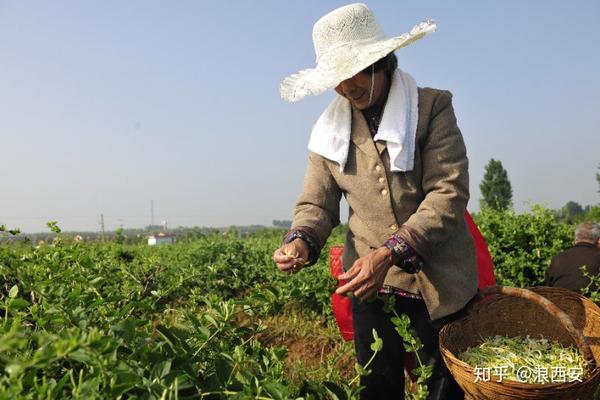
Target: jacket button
[
  {"x": 377, "y": 168},
  {"x": 384, "y": 192},
  {"x": 381, "y": 179},
  {"x": 393, "y": 227}
]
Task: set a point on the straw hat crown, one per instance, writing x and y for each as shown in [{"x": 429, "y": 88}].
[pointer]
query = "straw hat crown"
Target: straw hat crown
[{"x": 353, "y": 23}]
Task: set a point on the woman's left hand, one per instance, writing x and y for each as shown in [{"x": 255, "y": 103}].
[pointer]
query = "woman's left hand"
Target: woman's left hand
[{"x": 367, "y": 274}]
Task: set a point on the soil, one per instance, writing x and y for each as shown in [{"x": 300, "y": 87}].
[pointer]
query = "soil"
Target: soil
[{"x": 311, "y": 350}]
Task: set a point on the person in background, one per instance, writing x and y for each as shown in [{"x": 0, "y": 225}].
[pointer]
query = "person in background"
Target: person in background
[
  {"x": 565, "y": 268},
  {"x": 395, "y": 152}
]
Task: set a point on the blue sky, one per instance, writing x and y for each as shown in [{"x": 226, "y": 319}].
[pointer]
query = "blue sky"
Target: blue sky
[{"x": 107, "y": 105}]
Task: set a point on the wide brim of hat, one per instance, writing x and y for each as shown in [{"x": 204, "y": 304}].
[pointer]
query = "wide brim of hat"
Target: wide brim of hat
[{"x": 314, "y": 81}]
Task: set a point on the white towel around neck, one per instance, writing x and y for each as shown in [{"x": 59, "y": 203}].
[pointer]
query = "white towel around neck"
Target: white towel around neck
[{"x": 331, "y": 133}]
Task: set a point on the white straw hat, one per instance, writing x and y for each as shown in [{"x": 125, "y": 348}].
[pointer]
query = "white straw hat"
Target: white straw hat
[{"x": 347, "y": 40}]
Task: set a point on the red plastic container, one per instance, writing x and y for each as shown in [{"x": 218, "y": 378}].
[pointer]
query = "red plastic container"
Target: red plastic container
[{"x": 342, "y": 305}]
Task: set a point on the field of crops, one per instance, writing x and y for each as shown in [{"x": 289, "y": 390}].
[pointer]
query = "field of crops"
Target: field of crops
[{"x": 209, "y": 317}]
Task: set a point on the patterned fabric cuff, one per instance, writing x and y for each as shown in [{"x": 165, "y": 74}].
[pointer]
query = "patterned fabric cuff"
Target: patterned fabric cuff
[
  {"x": 386, "y": 289},
  {"x": 411, "y": 261},
  {"x": 313, "y": 249}
]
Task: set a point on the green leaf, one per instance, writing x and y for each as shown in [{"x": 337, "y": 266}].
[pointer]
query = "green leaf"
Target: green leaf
[
  {"x": 18, "y": 304},
  {"x": 162, "y": 369},
  {"x": 378, "y": 343},
  {"x": 81, "y": 356},
  {"x": 126, "y": 329},
  {"x": 121, "y": 388},
  {"x": 96, "y": 280},
  {"x": 389, "y": 303},
  {"x": 423, "y": 372},
  {"x": 56, "y": 391},
  {"x": 202, "y": 331},
  {"x": 223, "y": 369},
  {"x": 210, "y": 319},
  {"x": 335, "y": 391},
  {"x": 14, "y": 291},
  {"x": 14, "y": 368},
  {"x": 53, "y": 226},
  {"x": 360, "y": 369},
  {"x": 275, "y": 390}
]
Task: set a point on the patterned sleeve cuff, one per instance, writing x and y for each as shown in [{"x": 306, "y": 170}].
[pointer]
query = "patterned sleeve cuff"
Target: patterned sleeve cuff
[
  {"x": 313, "y": 249},
  {"x": 411, "y": 261}
]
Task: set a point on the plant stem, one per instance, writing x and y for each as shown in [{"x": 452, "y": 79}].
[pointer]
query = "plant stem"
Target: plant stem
[{"x": 365, "y": 367}]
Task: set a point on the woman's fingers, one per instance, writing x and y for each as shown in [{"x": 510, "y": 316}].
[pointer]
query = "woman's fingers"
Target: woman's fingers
[
  {"x": 363, "y": 289},
  {"x": 362, "y": 284},
  {"x": 366, "y": 292},
  {"x": 289, "y": 267},
  {"x": 351, "y": 273},
  {"x": 356, "y": 281},
  {"x": 286, "y": 262},
  {"x": 297, "y": 249},
  {"x": 280, "y": 257}
]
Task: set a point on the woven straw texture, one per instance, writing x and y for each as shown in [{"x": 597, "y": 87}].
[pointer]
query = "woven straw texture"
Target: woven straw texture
[
  {"x": 509, "y": 315},
  {"x": 346, "y": 41}
]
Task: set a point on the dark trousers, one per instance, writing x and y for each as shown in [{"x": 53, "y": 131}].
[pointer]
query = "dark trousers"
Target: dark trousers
[{"x": 386, "y": 380}]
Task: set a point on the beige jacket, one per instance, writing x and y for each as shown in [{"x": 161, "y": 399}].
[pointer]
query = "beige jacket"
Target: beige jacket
[{"x": 424, "y": 206}]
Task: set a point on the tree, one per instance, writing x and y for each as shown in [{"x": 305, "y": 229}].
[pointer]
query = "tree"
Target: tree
[
  {"x": 119, "y": 236},
  {"x": 573, "y": 208},
  {"x": 593, "y": 214},
  {"x": 572, "y": 211},
  {"x": 285, "y": 223},
  {"x": 495, "y": 187},
  {"x": 598, "y": 179}
]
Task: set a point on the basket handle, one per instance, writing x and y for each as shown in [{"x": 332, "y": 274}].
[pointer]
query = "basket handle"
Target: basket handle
[{"x": 550, "y": 308}]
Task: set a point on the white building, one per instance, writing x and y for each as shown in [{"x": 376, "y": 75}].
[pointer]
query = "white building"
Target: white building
[{"x": 161, "y": 238}]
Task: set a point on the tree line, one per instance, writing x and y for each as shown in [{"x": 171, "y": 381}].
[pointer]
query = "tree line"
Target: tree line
[{"x": 496, "y": 194}]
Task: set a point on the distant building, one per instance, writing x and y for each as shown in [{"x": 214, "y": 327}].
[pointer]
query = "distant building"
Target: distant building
[{"x": 161, "y": 238}]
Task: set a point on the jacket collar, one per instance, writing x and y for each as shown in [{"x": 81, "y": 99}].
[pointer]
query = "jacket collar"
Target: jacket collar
[{"x": 361, "y": 136}]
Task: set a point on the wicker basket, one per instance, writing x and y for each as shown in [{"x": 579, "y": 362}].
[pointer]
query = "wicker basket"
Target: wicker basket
[{"x": 553, "y": 313}]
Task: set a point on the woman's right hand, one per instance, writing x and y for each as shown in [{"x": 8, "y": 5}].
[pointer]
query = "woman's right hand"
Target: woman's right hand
[{"x": 292, "y": 256}]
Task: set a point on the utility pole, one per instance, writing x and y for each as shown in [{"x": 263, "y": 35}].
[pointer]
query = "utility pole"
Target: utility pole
[
  {"x": 102, "y": 225},
  {"x": 151, "y": 212}
]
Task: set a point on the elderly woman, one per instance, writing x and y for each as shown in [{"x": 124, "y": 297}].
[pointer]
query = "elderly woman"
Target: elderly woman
[{"x": 394, "y": 151}]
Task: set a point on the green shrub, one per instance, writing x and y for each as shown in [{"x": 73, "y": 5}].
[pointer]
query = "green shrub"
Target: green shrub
[{"x": 522, "y": 245}]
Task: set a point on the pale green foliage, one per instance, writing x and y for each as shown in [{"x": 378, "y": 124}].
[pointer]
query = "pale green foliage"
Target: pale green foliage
[
  {"x": 592, "y": 289},
  {"x": 412, "y": 344},
  {"x": 521, "y": 355},
  {"x": 522, "y": 245},
  {"x": 13, "y": 232},
  {"x": 108, "y": 320},
  {"x": 53, "y": 225}
]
